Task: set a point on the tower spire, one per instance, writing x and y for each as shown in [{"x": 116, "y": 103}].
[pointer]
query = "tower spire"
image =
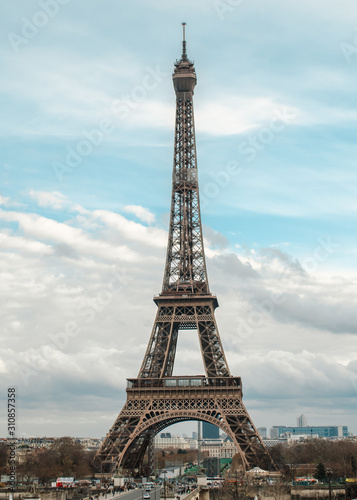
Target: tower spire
[{"x": 184, "y": 53}]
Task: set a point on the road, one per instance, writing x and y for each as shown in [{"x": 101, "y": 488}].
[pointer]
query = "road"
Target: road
[{"x": 137, "y": 494}]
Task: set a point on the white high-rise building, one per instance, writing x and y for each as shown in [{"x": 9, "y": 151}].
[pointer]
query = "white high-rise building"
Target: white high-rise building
[
  {"x": 302, "y": 421},
  {"x": 262, "y": 432}
]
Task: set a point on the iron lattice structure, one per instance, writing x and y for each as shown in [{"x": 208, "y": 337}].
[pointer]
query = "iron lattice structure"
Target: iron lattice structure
[{"x": 156, "y": 399}]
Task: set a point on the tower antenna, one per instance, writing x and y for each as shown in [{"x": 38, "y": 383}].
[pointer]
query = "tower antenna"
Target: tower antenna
[{"x": 184, "y": 53}]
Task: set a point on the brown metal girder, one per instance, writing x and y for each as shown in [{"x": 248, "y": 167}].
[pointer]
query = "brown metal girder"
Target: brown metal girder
[{"x": 168, "y": 364}]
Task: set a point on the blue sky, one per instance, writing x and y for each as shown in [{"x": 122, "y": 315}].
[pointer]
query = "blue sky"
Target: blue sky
[{"x": 86, "y": 135}]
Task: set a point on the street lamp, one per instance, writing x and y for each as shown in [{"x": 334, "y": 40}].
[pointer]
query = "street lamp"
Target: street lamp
[{"x": 329, "y": 472}]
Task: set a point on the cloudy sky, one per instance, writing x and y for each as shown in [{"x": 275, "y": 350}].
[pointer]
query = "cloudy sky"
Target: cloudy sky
[{"x": 86, "y": 131}]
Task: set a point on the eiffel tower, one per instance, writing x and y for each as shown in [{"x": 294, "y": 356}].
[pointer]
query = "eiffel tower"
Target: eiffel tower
[{"x": 156, "y": 399}]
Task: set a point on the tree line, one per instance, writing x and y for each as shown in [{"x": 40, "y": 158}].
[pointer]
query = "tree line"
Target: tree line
[
  {"x": 339, "y": 457},
  {"x": 65, "y": 457}
]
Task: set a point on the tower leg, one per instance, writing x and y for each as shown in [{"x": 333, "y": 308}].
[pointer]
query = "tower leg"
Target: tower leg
[{"x": 151, "y": 456}]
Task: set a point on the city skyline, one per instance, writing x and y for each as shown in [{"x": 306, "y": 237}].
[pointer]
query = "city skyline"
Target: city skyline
[{"x": 87, "y": 135}]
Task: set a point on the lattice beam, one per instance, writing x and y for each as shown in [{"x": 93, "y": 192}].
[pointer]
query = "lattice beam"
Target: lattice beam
[{"x": 160, "y": 354}]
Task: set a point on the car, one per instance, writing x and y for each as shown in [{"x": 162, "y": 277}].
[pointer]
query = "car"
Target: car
[{"x": 147, "y": 496}]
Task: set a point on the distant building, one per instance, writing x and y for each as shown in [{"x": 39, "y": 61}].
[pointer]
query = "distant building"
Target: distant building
[
  {"x": 301, "y": 421},
  {"x": 175, "y": 442},
  {"x": 210, "y": 431},
  {"x": 219, "y": 448},
  {"x": 294, "y": 438},
  {"x": 274, "y": 432},
  {"x": 164, "y": 435},
  {"x": 262, "y": 432},
  {"x": 215, "y": 447},
  {"x": 333, "y": 431},
  {"x": 27, "y": 446},
  {"x": 90, "y": 443},
  {"x": 272, "y": 441}
]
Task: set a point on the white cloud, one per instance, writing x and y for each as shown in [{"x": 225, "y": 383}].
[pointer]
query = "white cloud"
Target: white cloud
[
  {"x": 232, "y": 115},
  {"x": 54, "y": 200},
  {"x": 235, "y": 116},
  {"x": 4, "y": 200},
  {"x": 23, "y": 245},
  {"x": 57, "y": 275},
  {"x": 141, "y": 213},
  {"x": 132, "y": 231},
  {"x": 47, "y": 229}
]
